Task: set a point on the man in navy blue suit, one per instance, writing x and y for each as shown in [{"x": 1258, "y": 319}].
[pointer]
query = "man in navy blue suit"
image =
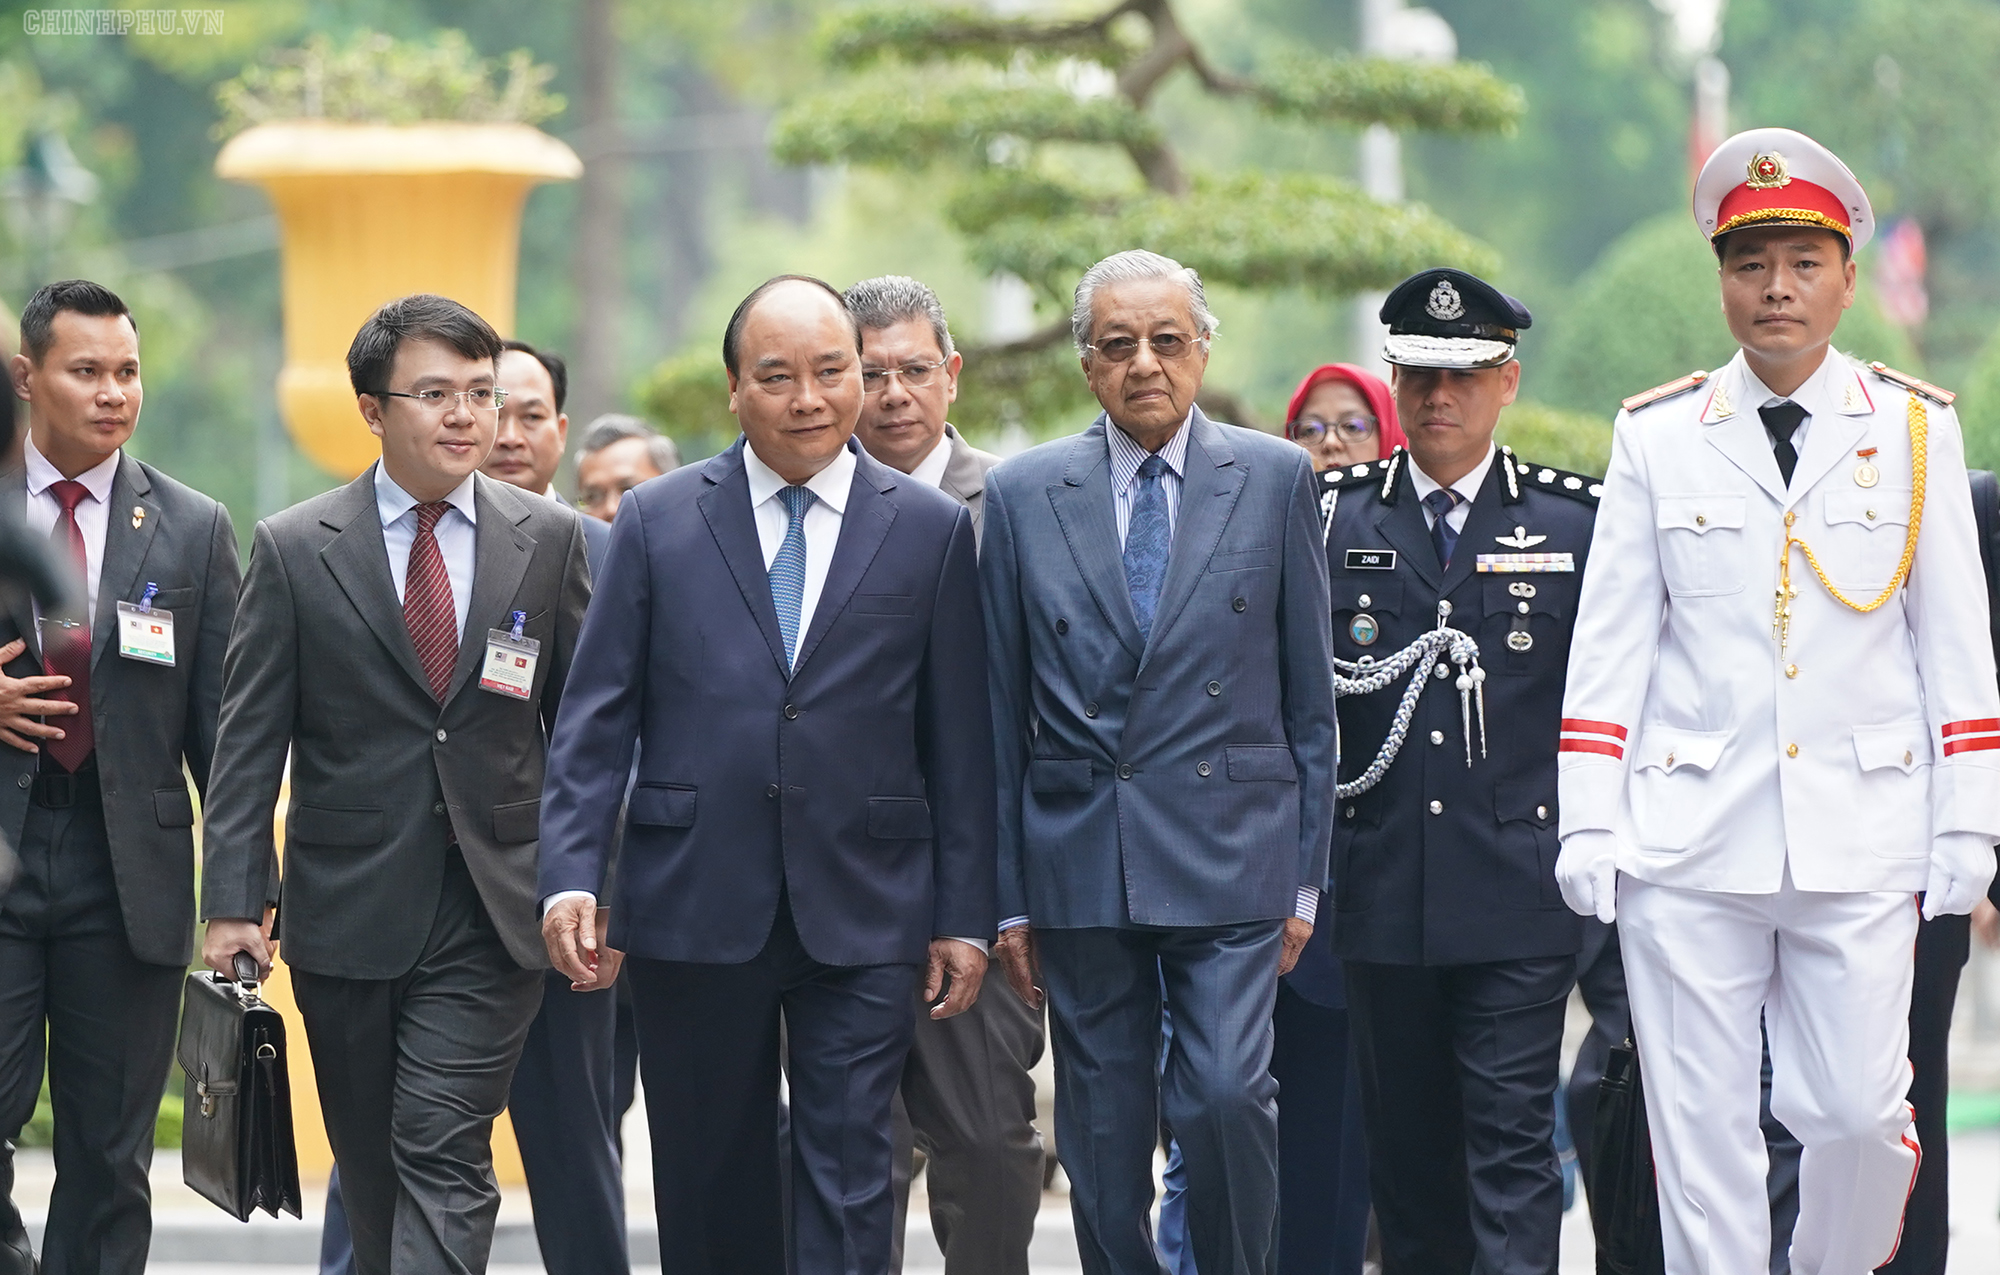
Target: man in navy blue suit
[
  {"x": 790, "y": 633},
  {"x": 1164, "y": 721}
]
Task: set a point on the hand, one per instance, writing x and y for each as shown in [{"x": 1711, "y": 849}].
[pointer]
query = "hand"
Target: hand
[
  {"x": 1587, "y": 873},
  {"x": 226, "y": 936},
  {"x": 967, "y": 966},
  {"x": 1986, "y": 923},
  {"x": 570, "y": 930},
  {"x": 1298, "y": 932},
  {"x": 1016, "y": 950},
  {"x": 1961, "y": 869},
  {"x": 21, "y": 704},
  {"x": 609, "y": 959}
]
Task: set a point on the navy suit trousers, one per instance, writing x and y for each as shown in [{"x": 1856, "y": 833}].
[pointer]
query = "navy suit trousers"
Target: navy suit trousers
[{"x": 1215, "y": 1090}]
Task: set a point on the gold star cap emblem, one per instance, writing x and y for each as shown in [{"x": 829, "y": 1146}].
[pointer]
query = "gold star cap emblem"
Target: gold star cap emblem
[{"x": 1768, "y": 171}]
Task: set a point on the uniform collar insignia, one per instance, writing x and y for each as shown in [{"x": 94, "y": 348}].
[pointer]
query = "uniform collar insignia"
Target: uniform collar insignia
[
  {"x": 1520, "y": 539},
  {"x": 1719, "y": 406}
]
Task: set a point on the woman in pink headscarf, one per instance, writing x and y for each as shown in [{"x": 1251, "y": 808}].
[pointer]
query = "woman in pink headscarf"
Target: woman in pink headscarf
[{"x": 1343, "y": 416}]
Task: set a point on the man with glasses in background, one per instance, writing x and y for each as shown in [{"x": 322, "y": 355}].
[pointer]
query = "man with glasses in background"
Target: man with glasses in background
[
  {"x": 405, "y": 639},
  {"x": 617, "y": 454},
  {"x": 967, "y": 1100},
  {"x": 1164, "y": 728}
]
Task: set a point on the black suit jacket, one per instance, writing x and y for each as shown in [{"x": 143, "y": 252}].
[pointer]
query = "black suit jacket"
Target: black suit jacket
[
  {"x": 321, "y": 663},
  {"x": 150, "y": 719},
  {"x": 1441, "y": 863},
  {"x": 862, "y": 784}
]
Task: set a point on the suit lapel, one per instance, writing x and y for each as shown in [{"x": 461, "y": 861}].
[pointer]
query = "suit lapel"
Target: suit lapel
[
  {"x": 1486, "y": 519},
  {"x": 863, "y": 526},
  {"x": 1209, "y": 491},
  {"x": 1839, "y": 421},
  {"x": 725, "y": 506},
  {"x": 358, "y": 559},
  {"x": 1732, "y": 426},
  {"x": 1083, "y": 507},
  {"x": 963, "y": 478},
  {"x": 124, "y": 550},
  {"x": 1402, "y": 525},
  {"x": 501, "y": 552},
  {"x": 20, "y": 603}
]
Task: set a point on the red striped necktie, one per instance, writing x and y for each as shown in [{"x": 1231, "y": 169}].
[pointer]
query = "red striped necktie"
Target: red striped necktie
[{"x": 427, "y": 605}]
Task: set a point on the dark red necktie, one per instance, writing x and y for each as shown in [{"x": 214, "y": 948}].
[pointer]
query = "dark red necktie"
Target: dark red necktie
[
  {"x": 427, "y": 606},
  {"x": 66, "y": 646}
]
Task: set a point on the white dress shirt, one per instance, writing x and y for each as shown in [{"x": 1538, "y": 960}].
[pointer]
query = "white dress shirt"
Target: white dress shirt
[
  {"x": 93, "y": 513},
  {"x": 1465, "y": 488},
  {"x": 1127, "y": 456},
  {"x": 1817, "y": 395},
  {"x": 822, "y": 528},
  {"x": 930, "y": 470},
  {"x": 456, "y": 532}
]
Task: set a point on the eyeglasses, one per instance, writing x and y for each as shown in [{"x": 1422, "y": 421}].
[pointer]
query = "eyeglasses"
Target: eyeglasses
[
  {"x": 914, "y": 376},
  {"x": 1348, "y": 429},
  {"x": 1122, "y": 349},
  {"x": 489, "y": 398}
]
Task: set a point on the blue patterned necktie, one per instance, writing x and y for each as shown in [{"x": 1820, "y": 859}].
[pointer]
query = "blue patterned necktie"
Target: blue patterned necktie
[
  {"x": 1147, "y": 538},
  {"x": 1441, "y": 502},
  {"x": 788, "y": 569}
]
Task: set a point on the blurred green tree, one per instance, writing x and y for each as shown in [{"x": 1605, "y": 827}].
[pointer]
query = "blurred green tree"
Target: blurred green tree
[{"x": 1038, "y": 134}]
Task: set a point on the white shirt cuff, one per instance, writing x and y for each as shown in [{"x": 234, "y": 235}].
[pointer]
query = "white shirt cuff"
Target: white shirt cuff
[
  {"x": 985, "y": 948},
  {"x": 1308, "y": 909},
  {"x": 560, "y": 895},
  {"x": 1013, "y": 923}
]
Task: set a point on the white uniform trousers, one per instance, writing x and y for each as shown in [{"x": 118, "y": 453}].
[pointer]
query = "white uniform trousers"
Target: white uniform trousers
[{"x": 1831, "y": 975}]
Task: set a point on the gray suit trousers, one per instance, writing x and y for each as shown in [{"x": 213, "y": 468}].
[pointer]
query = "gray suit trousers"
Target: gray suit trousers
[
  {"x": 968, "y": 1103},
  {"x": 412, "y": 1072}
]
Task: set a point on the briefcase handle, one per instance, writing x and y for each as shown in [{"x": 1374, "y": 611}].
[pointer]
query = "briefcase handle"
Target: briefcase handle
[{"x": 245, "y": 967}]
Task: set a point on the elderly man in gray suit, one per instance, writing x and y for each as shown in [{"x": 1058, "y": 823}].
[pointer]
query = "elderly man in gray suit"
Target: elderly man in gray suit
[
  {"x": 99, "y": 721},
  {"x": 967, "y": 1100},
  {"x": 1162, "y": 688},
  {"x": 406, "y": 638}
]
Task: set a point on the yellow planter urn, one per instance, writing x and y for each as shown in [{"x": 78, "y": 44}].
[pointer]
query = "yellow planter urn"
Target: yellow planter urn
[{"x": 369, "y": 212}]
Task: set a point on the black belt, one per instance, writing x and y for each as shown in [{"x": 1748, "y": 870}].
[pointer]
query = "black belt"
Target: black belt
[{"x": 59, "y": 789}]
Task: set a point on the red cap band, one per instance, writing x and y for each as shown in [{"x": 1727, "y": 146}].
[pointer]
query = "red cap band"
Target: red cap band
[{"x": 1796, "y": 203}]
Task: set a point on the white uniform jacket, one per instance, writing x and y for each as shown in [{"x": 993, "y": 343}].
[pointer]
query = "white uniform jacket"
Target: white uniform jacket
[{"x": 1714, "y": 757}]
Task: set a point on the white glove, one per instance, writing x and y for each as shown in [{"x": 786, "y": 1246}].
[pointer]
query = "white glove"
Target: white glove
[
  {"x": 1961, "y": 869},
  {"x": 1587, "y": 874}
]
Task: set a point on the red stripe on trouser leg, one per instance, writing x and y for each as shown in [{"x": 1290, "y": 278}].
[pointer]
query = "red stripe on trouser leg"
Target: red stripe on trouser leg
[{"x": 1918, "y": 1150}]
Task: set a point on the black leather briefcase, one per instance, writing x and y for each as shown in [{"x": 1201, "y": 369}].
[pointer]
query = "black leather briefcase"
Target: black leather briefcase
[
  {"x": 236, "y": 1127},
  {"x": 1624, "y": 1198}
]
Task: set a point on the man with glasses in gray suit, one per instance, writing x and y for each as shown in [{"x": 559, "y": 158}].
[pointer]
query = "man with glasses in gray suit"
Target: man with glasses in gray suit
[{"x": 1156, "y": 602}]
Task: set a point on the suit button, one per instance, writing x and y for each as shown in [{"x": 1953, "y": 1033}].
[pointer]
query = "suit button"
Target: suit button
[
  {"x": 1437, "y": 807},
  {"x": 1090, "y": 709},
  {"x": 1347, "y": 812},
  {"x": 1240, "y": 604},
  {"x": 1541, "y": 812},
  {"x": 24, "y": 781},
  {"x": 1062, "y": 626},
  {"x": 1437, "y": 737},
  {"x": 1791, "y": 750},
  {"x": 1215, "y": 688},
  {"x": 1364, "y": 601},
  {"x": 1124, "y": 772},
  {"x": 1522, "y": 607},
  {"x": 1791, "y": 670},
  {"x": 772, "y": 791},
  {"x": 791, "y": 712},
  {"x": 440, "y": 737},
  {"x": 437, "y": 808},
  {"x": 1202, "y": 770}
]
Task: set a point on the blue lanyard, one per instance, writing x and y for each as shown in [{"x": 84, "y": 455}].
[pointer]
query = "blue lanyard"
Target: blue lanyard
[
  {"x": 520, "y": 618},
  {"x": 152, "y": 591}
]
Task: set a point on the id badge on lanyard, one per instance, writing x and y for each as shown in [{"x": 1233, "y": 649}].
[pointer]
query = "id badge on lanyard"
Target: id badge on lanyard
[
  {"x": 145, "y": 633},
  {"x": 509, "y": 666}
]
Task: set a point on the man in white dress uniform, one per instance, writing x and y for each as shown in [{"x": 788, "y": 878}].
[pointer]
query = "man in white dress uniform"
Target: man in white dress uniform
[{"x": 1780, "y": 724}]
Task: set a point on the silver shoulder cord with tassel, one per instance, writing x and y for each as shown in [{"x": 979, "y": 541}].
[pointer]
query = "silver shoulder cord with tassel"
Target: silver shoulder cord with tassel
[{"x": 1352, "y": 678}]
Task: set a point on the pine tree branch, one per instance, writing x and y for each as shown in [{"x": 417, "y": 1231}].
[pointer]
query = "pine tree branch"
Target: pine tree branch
[{"x": 920, "y": 33}]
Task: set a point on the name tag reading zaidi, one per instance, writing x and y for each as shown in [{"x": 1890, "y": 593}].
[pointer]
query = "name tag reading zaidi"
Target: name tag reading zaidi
[
  {"x": 509, "y": 666},
  {"x": 144, "y": 632}
]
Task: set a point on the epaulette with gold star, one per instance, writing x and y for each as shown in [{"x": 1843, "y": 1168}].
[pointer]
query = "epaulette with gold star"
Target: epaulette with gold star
[
  {"x": 1544, "y": 478},
  {"x": 1667, "y": 391},
  {"x": 1942, "y": 397}
]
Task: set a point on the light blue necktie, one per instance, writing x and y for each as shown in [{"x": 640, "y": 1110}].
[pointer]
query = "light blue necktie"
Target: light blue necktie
[
  {"x": 788, "y": 569},
  {"x": 1147, "y": 538}
]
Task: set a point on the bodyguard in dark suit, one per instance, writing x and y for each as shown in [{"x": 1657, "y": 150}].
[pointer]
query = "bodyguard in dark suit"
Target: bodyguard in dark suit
[
  {"x": 377, "y": 643},
  {"x": 1163, "y": 705},
  {"x": 967, "y": 1100},
  {"x": 97, "y": 930},
  {"x": 790, "y": 636},
  {"x": 1458, "y": 950}
]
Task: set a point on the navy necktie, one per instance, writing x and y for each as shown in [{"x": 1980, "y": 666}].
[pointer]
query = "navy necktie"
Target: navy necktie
[
  {"x": 1443, "y": 538},
  {"x": 788, "y": 569},
  {"x": 1147, "y": 538},
  {"x": 1783, "y": 420}
]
